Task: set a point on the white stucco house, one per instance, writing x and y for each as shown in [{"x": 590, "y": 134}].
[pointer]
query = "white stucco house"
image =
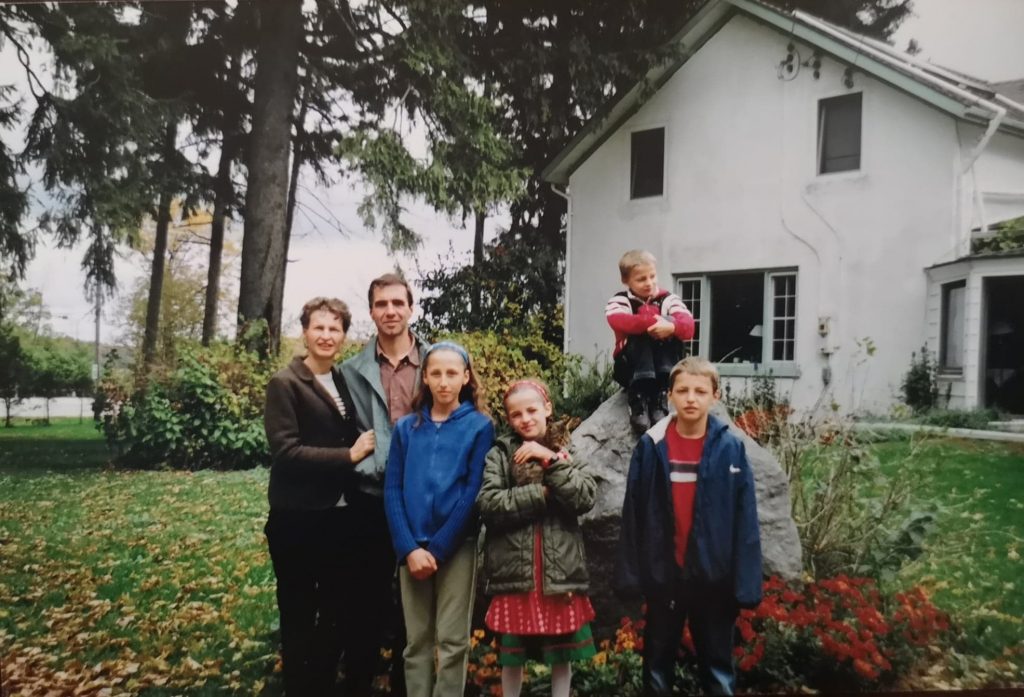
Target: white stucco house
[{"x": 812, "y": 195}]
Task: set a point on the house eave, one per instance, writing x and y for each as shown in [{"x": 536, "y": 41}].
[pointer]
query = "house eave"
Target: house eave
[{"x": 983, "y": 257}]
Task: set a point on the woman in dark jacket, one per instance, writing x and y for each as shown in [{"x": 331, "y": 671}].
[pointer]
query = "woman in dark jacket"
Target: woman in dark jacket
[{"x": 314, "y": 443}]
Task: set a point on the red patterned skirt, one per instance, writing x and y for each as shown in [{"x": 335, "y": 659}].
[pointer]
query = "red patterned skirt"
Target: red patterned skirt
[{"x": 533, "y": 613}]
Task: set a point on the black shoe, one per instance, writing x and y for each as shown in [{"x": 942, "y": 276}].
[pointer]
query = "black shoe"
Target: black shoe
[
  {"x": 656, "y": 408},
  {"x": 638, "y": 418}
]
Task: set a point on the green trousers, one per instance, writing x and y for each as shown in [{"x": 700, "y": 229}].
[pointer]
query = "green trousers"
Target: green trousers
[{"x": 438, "y": 616}]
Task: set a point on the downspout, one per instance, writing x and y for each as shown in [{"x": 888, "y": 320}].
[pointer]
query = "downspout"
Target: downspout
[
  {"x": 568, "y": 265},
  {"x": 911, "y": 66}
]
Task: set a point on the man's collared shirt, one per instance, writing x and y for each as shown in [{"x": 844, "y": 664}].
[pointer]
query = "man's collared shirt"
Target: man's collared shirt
[{"x": 399, "y": 381}]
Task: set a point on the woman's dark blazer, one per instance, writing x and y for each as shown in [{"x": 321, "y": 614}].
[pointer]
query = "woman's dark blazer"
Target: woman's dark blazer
[{"x": 309, "y": 440}]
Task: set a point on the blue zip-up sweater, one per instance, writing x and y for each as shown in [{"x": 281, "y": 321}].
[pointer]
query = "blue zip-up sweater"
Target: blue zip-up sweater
[
  {"x": 725, "y": 542},
  {"x": 432, "y": 480}
]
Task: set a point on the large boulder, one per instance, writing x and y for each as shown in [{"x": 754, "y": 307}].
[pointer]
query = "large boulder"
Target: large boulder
[{"x": 605, "y": 443}]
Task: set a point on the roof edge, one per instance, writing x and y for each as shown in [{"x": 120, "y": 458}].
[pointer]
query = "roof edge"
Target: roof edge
[{"x": 708, "y": 20}]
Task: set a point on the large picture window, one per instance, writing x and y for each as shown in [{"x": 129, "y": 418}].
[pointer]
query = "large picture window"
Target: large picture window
[{"x": 742, "y": 317}]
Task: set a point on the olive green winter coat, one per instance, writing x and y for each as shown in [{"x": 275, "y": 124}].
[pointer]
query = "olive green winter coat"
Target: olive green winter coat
[{"x": 511, "y": 510}]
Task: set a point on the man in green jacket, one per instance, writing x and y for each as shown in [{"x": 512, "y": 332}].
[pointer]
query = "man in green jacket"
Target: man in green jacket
[{"x": 382, "y": 379}]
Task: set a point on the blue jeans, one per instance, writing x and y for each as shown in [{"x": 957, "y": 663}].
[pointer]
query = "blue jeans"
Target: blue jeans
[{"x": 712, "y": 613}]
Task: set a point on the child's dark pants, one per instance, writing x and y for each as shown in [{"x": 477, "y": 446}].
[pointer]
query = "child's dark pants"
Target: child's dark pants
[
  {"x": 646, "y": 362},
  {"x": 712, "y": 613}
]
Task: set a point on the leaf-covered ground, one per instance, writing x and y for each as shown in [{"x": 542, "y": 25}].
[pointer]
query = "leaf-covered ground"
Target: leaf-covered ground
[
  {"x": 118, "y": 582},
  {"x": 159, "y": 583}
]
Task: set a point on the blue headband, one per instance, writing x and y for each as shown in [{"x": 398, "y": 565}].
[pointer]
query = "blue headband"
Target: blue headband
[{"x": 448, "y": 346}]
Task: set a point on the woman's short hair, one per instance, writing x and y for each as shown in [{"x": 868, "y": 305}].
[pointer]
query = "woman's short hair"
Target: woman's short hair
[{"x": 336, "y": 307}]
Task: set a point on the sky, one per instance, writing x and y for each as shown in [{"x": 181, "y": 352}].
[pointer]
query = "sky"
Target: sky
[{"x": 332, "y": 253}]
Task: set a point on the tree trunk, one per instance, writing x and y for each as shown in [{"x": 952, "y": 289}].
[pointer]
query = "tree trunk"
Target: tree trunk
[
  {"x": 222, "y": 197},
  {"x": 293, "y": 191},
  {"x": 478, "y": 259},
  {"x": 156, "y": 277},
  {"x": 264, "y": 245}
]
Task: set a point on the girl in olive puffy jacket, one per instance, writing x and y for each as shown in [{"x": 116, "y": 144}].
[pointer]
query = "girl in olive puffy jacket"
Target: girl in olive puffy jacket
[{"x": 534, "y": 564}]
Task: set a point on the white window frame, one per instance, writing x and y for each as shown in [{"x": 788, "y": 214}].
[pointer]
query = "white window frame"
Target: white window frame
[
  {"x": 820, "y": 136},
  {"x": 782, "y": 367},
  {"x": 768, "y": 317},
  {"x": 944, "y": 294},
  {"x": 697, "y": 347}
]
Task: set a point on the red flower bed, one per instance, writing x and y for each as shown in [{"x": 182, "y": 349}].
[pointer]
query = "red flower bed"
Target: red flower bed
[
  {"x": 834, "y": 634},
  {"x": 838, "y": 626}
]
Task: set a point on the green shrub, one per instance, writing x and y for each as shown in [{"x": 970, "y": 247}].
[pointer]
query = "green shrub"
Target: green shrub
[
  {"x": 205, "y": 414},
  {"x": 960, "y": 418},
  {"x": 853, "y": 517},
  {"x": 920, "y": 384},
  {"x": 500, "y": 359},
  {"x": 586, "y": 384}
]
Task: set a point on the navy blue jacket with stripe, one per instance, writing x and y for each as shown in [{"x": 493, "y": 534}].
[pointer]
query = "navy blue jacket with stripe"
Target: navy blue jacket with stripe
[{"x": 725, "y": 543}]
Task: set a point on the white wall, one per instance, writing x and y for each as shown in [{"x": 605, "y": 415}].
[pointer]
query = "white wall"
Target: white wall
[
  {"x": 1000, "y": 177},
  {"x": 742, "y": 193}
]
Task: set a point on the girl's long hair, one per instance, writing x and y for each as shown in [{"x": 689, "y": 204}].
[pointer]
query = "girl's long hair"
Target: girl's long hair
[
  {"x": 472, "y": 392},
  {"x": 556, "y": 436}
]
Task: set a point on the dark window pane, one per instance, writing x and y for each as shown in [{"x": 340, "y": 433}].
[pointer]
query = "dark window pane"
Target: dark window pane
[
  {"x": 647, "y": 163},
  {"x": 951, "y": 350},
  {"x": 737, "y": 306},
  {"x": 839, "y": 126}
]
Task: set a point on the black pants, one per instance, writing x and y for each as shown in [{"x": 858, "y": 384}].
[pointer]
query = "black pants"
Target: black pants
[
  {"x": 646, "y": 362},
  {"x": 334, "y": 569},
  {"x": 712, "y": 614}
]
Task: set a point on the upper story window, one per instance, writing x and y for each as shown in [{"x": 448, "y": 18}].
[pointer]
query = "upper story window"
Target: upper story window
[
  {"x": 839, "y": 120},
  {"x": 647, "y": 163}
]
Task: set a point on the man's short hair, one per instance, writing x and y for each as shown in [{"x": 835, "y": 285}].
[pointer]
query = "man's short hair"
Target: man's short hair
[
  {"x": 632, "y": 259},
  {"x": 388, "y": 279},
  {"x": 694, "y": 365},
  {"x": 336, "y": 307}
]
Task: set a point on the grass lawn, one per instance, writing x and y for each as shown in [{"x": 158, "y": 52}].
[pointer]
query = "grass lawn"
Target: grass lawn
[
  {"x": 148, "y": 582},
  {"x": 974, "y": 565},
  {"x": 159, "y": 582}
]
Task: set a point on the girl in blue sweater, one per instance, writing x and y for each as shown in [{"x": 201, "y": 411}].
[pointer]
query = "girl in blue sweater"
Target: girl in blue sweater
[{"x": 432, "y": 479}]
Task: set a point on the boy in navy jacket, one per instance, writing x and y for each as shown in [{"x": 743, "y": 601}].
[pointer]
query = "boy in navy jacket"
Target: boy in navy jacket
[{"x": 690, "y": 541}]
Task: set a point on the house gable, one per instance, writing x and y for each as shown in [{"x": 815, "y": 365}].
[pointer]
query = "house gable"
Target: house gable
[{"x": 860, "y": 53}]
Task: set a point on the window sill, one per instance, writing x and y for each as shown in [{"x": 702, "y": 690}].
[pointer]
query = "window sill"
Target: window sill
[
  {"x": 759, "y": 370},
  {"x": 950, "y": 374},
  {"x": 825, "y": 181}
]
